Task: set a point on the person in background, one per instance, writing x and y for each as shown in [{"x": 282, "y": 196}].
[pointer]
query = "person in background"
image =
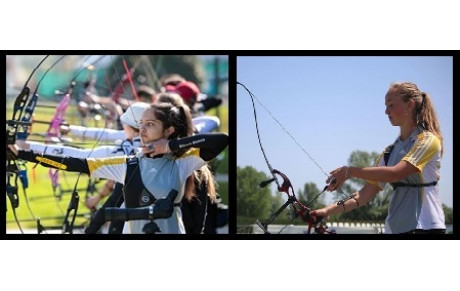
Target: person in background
[{"x": 199, "y": 103}]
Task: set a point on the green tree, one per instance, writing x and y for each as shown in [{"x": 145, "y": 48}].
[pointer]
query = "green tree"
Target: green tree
[
  {"x": 309, "y": 192},
  {"x": 252, "y": 201},
  {"x": 449, "y": 214},
  {"x": 277, "y": 201}
]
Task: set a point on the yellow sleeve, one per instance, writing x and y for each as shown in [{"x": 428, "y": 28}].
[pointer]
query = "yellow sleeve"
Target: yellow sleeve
[
  {"x": 424, "y": 149},
  {"x": 113, "y": 168}
]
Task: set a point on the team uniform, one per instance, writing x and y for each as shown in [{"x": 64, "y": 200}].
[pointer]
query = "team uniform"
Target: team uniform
[
  {"x": 159, "y": 176},
  {"x": 415, "y": 202}
]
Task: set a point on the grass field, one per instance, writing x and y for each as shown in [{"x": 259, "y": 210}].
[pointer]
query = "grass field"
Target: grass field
[{"x": 51, "y": 209}]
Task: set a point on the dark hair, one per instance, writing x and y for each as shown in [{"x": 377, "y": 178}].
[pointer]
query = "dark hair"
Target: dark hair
[{"x": 178, "y": 117}]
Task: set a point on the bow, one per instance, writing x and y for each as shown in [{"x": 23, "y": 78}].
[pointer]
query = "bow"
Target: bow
[
  {"x": 15, "y": 126},
  {"x": 19, "y": 129},
  {"x": 300, "y": 210}
]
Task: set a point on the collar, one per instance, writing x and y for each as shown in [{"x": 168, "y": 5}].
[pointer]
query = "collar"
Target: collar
[{"x": 413, "y": 135}]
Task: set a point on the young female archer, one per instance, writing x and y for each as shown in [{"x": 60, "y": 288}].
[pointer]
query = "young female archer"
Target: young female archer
[
  {"x": 165, "y": 162},
  {"x": 411, "y": 165}
]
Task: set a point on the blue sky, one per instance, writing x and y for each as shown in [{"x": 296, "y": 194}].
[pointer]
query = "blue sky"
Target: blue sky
[{"x": 333, "y": 106}]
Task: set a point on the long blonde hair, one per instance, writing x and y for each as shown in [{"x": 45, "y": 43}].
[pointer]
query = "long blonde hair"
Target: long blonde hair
[{"x": 424, "y": 113}]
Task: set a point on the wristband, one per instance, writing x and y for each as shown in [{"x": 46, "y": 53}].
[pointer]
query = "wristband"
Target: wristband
[{"x": 356, "y": 200}]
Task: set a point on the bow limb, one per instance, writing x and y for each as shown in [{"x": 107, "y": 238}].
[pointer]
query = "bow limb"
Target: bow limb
[{"x": 274, "y": 178}]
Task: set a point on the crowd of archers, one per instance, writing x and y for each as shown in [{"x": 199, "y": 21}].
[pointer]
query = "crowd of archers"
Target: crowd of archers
[{"x": 165, "y": 146}]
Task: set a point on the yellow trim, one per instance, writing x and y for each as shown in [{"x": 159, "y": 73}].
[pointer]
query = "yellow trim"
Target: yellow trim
[
  {"x": 94, "y": 164},
  {"x": 422, "y": 152},
  {"x": 191, "y": 152},
  {"x": 51, "y": 162}
]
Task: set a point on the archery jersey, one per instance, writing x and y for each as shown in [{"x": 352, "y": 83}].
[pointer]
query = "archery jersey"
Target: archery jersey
[
  {"x": 415, "y": 207},
  {"x": 126, "y": 147},
  {"x": 159, "y": 176}
]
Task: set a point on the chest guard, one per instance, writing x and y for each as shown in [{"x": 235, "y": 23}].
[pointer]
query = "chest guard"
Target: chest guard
[{"x": 136, "y": 195}]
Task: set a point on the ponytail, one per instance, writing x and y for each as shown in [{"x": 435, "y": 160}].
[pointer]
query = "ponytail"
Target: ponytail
[{"x": 427, "y": 118}]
